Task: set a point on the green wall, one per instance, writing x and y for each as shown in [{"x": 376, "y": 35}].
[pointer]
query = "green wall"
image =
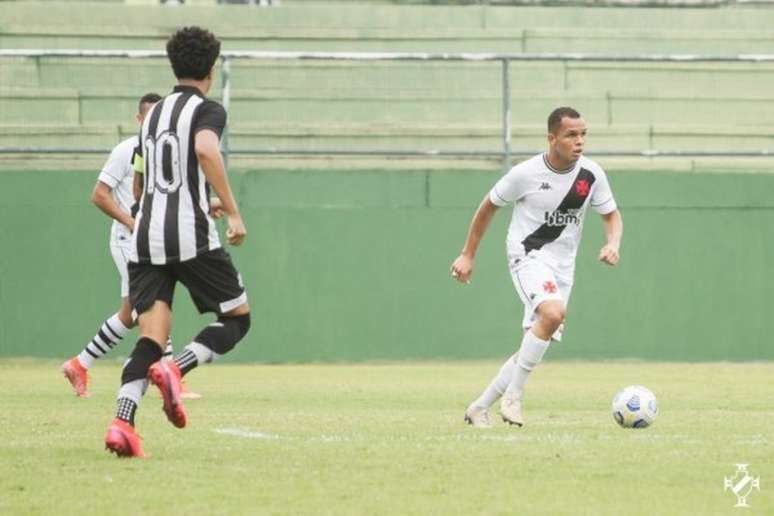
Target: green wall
[{"x": 354, "y": 266}]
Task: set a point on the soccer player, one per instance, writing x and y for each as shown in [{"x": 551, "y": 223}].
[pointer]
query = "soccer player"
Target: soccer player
[
  {"x": 113, "y": 195},
  {"x": 175, "y": 239},
  {"x": 550, "y": 193}
]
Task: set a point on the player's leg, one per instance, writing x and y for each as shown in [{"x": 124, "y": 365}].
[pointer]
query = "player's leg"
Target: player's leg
[
  {"x": 151, "y": 292},
  {"x": 215, "y": 286},
  {"x": 539, "y": 290},
  {"x": 216, "y": 339},
  {"x": 542, "y": 326},
  {"x": 110, "y": 333},
  {"x": 477, "y": 413},
  {"x": 526, "y": 275}
]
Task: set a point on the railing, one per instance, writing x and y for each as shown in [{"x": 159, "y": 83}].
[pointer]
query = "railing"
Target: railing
[{"x": 504, "y": 59}]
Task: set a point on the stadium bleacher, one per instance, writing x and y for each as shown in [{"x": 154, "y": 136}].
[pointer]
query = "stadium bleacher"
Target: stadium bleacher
[{"x": 312, "y": 105}]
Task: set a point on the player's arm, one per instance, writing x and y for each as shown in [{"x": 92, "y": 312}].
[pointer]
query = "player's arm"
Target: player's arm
[
  {"x": 613, "y": 225},
  {"x": 216, "y": 208},
  {"x": 102, "y": 197},
  {"x": 137, "y": 185},
  {"x": 462, "y": 267},
  {"x": 207, "y": 151}
]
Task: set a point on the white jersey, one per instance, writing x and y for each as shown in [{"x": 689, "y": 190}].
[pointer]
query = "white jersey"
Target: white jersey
[
  {"x": 118, "y": 174},
  {"x": 549, "y": 207}
]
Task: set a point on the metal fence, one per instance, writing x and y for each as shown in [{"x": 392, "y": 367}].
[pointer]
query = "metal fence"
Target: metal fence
[{"x": 505, "y": 60}]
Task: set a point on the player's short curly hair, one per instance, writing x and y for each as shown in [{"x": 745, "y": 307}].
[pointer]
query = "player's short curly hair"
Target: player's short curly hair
[
  {"x": 148, "y": 98},
  {"x": 555, "y": 118},
  {"x": 192, "y": 51}
]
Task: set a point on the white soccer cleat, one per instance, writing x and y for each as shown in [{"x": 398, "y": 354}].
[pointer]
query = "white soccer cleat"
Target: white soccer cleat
[
  {"x": 478, "y": 417},
  {"x": 510, "y": 410}
]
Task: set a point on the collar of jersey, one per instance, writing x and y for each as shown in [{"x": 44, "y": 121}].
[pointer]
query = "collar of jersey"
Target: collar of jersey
[
  {"x": 193, "y": 89},
  {"x": 555, "y": 171}
]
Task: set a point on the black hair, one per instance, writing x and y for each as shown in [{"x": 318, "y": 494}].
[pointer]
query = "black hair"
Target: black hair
[
  {"x": 192, "y": 52},
  {"x": 555, "y": 118},
  {"x": 148, "y": 98}
]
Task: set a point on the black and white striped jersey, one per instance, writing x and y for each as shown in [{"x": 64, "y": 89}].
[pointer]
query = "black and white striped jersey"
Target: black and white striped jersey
[
  {"x": 173, "y": 223},
  {"x": 550, "y": 205}
]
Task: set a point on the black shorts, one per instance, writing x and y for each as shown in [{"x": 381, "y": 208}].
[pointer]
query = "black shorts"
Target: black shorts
[{"x": 211, "y": 279}]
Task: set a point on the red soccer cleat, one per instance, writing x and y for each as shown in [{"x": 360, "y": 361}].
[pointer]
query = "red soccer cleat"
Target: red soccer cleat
[
  {"x": 78, "y": 377},
  {"x": 166, "y": 376},
  {"x": 122, "y": 440}
]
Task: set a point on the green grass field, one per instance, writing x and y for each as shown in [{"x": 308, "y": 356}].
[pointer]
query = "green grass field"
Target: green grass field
[{"x": 389, "y": 439}]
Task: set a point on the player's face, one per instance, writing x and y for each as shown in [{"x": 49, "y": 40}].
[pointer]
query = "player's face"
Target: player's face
[{"x": 568, "y": 141}]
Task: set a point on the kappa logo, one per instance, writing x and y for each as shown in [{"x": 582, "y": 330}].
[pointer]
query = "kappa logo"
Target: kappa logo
[
  {"x": 545, "y": 186},
  {"x": 550, "y": 287}
]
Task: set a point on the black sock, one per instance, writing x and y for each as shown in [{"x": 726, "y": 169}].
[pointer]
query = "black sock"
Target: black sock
[
  {"x": 186, "y": 361},
  {"x": 146, "y": 353}
]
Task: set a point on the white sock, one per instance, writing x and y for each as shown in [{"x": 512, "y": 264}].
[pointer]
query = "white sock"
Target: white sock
[
  {"x": 498, "y": 385},
  {"x": 109, "y": 335},
  {"x": 133, "y": 390},
  {"x": 129, "y": 396},
  {"x": 529, "y": 356}
]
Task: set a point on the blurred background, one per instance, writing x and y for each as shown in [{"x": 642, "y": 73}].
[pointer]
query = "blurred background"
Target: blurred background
[{"x": 358, "y": 173}]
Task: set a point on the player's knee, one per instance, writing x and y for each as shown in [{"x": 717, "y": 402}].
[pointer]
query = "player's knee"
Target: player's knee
[
  {"x": 145, "y": 354},
  {"x": 241, "y": 325},
  {"x": 222, "y": 335},
  {"x": 552, "y": 315}
]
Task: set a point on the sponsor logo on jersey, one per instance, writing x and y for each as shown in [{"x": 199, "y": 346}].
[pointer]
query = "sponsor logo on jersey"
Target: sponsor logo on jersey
[
  {"x": 559, "y": 218},
  {"x": 545, "y": 186}
]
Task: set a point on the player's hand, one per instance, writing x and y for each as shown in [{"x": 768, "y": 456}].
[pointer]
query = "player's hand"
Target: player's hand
[
  {"x": 236, "y": 230},
  {"x": 216, "y": 208},
  {"x": 462, "y": 269},
  {"x": 609, "y": 254}
]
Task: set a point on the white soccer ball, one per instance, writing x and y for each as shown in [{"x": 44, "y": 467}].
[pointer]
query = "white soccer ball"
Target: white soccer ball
[{"x": 635, "y": 407}]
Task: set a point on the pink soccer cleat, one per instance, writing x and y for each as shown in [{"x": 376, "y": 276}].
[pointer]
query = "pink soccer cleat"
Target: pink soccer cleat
[
  {"x": 122, "y": 440},
  {"x": 166, "y": 376},
  {"x": 78, "y": 377}
]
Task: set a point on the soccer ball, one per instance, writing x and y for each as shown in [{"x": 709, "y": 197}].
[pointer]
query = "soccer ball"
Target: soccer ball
[{"x": 634, "y": 407}]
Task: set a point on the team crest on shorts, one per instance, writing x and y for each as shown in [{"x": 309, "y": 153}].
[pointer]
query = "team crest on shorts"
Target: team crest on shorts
[{"x": 550, "y": 287}]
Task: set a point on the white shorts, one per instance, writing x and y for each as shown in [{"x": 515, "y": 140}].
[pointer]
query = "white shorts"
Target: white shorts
[
  {"x": 121, "y": 258},
  {"x": 536, "y": 282}
]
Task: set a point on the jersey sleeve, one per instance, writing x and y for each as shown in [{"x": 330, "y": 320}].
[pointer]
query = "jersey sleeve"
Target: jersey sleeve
[
  {"x": 510, "y": 188},
  {"x": 210, "y": 115},
  {"x": 115, "y": 167},
  {"x": 602, "y": 200}
]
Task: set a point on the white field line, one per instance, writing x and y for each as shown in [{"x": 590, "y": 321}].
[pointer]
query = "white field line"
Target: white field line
[
  {"x": 246, "y": 433},
  {"x": 484, "y": 436}
]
